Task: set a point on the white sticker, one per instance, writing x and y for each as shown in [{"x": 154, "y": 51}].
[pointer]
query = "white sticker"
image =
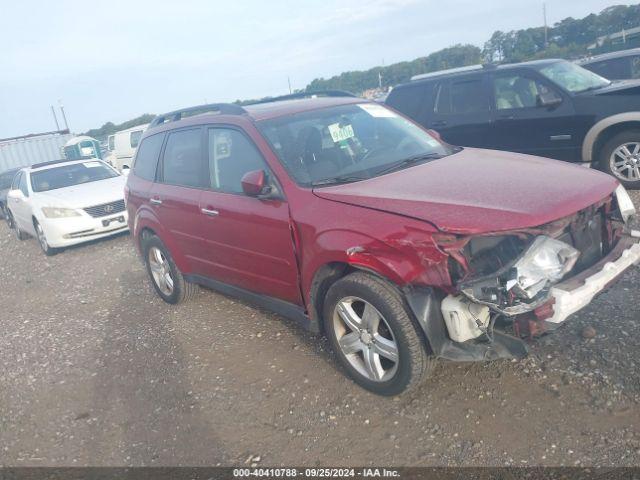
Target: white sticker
[
  {"x": 92, "y": 164},
  {"x": 377, "y": 110},
  {"x": 339, "y": 133}
]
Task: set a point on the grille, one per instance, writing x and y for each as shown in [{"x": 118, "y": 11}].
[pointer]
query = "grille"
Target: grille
[{"x": 105, "y": 209}]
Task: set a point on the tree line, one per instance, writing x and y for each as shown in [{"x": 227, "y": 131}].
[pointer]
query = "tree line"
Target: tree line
[{"x": 568, "y": 38}]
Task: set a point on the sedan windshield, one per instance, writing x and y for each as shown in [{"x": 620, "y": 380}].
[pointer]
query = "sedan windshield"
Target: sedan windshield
[
  {"x": 69, "y": 175},
  {"x": 348, "y": 143},
  {"x": 573, "y": 77}
]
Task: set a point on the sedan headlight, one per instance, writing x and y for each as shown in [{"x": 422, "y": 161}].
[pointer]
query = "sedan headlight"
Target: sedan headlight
[
  {"x": 545, "y": 262},
  {"x": 58, "y": 212},
  {"x": 625, "y": 204}
]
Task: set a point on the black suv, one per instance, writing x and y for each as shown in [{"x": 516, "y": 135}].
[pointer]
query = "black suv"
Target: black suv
[
  {"x": 551, "y": 108},
  {"x": 621, "y": 65}
]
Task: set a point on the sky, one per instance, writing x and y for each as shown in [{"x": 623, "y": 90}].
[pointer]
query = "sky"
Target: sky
[{"x": 114, "y": 60}]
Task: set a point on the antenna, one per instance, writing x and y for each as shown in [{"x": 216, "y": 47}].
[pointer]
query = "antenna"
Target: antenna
[
  {"x": 64, "y": 117},
  {"x": 289, "y": 82},
  {"x": 544, "y": 14},
  {"x": 53, "y": 110}
]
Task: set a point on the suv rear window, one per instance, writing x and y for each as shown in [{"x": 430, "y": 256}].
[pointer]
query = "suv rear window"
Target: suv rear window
[
  {"x": 462, "y": 97},
  {"x": 410, "y": 100},
  {"x": 183, "y": 161},
  {"x": 147, "y": 157}
]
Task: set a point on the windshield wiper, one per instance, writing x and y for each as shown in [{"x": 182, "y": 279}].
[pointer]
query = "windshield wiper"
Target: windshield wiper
[
  {"x": 337, "y": 180},
  {"x": 409, "y": 161}
]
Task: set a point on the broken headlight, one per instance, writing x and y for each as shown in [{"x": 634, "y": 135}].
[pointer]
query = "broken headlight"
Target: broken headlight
[
  {"x": 545, "y": 262},
  {"x": 524, "y": 283}
]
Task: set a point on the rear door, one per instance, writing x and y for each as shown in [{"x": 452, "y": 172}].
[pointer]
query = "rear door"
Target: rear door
[
  {"x": 175, "y": 197},
  {"x": 461, "y": 110},
  {"x": 522, "y": 125},
  {"x": 247, "y": 240}
]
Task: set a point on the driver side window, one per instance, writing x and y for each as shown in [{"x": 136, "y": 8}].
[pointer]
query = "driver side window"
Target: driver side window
[
  {"x": 231, "y": 156},
  {"x": 23, "y": 185},
  {"x": 518, "y": 91}
]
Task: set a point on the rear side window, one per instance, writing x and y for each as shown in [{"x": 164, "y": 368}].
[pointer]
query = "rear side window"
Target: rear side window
[
  {"x": 183, "y": 162},
  {"x": 134, "y": 139},
  {"x": 461, "y": 97},
  {"x": 147, "y": 157},
  {"x": 410, "y": 100},
  {"x": 613, "y": 69}
]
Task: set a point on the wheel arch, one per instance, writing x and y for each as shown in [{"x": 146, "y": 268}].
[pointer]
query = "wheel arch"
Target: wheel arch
[{"x": 604, "y": 130}]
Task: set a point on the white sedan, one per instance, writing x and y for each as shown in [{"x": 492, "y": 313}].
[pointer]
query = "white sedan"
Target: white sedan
[{"x": 64, "y": 203}]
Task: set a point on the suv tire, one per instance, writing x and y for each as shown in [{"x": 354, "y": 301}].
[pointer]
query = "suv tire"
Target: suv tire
[
  {"x": 381, "y": 329},
  {"x": 620, "y": 157},
  {"x": 167, "y": 280}
]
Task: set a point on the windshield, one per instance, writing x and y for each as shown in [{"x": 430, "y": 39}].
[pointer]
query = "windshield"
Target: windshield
[
  {"x": 6, "y": 178},
  {"x": 573, "y": 77},
  {"x": 69, "y": 175},
  {"x": 347, "y": 143}
]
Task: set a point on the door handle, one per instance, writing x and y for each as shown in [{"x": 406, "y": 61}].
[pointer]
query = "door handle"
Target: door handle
[
  {"x": 210, "y": 212},
  {"x": 439, "y": 123},
  {"x": 156, "y": 201},
  {"x": 506, "y": 117}
]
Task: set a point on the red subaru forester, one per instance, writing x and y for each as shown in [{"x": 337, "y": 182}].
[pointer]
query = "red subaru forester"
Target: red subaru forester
[{"x": 352, "y": 219}]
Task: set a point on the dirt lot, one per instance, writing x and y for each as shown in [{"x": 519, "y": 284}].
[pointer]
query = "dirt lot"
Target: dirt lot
[{"x": 96, "y": 370}]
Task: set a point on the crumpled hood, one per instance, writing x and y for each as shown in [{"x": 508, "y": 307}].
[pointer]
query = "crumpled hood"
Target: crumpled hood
[
  {"x": 85, "y": 195},
  {"x": 479, "y": 191}
]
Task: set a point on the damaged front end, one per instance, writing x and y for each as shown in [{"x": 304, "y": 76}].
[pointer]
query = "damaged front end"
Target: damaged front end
[{"x": 520, "y": 284}]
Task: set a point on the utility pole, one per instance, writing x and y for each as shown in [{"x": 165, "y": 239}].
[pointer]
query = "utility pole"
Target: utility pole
[
  {"x": 289, "y": 82},
  {"x": 544, "y": 14},
  {"x": 64, "y": 117},
  {"x": 53, "y": 110}
]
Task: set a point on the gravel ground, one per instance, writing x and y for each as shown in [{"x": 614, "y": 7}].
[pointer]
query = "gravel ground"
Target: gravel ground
[{"x": 96, "y": 370}]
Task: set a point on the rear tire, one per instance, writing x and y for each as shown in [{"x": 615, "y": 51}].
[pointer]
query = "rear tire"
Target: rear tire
[
  {"x": 620, "y": 157},
  {"x": 167, "y": 280},
  {"x": 20, "y": 235},
  {"x": 373, "y": 335}
]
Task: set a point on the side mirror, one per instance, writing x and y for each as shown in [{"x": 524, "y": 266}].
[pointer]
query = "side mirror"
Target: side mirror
[
  {"x": 254, "y": 183},
  {"x": 435, "y": 134},
  {"x": 125, "y": 170},
  {"x": 16, "y": 194},
  {"x": 548, "y": 99}
]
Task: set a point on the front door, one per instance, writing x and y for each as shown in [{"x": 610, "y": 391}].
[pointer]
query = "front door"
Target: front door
[
  {"x": 18, "y": 201},
  {"x": 247, "y": 240},
  {"x": 522, "y": 124}
]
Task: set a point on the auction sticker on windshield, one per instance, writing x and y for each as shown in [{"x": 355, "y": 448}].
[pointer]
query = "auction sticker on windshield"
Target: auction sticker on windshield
[
  {"x": 339, "y": 133},
  {"x": 92, "y": 164},
  {"x": 377, "y": 110}
]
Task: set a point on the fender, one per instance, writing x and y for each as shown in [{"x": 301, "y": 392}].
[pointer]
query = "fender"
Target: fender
[
  {"x": 146, "y": 218},
  {"x": 594, "y": 132}
]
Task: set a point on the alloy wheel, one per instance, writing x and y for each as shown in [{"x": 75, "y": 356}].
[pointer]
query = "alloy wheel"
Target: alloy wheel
[
  {"x": 42, "y": 238},
  {"x": 160, "y": 270},
  {"x": 625, "y": 161},
  {"x": 365, "y": 339}
]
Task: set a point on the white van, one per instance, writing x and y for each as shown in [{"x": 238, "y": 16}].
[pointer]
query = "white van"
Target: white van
[{"x": 122, "y": 146}]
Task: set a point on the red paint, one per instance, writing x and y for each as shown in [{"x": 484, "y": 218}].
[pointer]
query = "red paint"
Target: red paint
[{"x": 275, "y": 247}]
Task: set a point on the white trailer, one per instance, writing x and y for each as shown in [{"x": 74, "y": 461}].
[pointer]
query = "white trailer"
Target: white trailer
[{"x": 35, "y": 148}]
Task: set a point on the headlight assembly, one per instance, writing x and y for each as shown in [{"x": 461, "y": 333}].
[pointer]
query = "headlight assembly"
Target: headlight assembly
[
  {"x": 625, "y": 204},
  {"x": 58, "y": 212},
  {"x": 524, "y": 283}
]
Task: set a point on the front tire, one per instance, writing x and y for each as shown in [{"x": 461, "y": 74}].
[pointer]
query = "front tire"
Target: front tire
[
  {"x": 373, "y": 335},
  {"x": 167, "y": 280},
  {"x": 620, "y": 157},
  {"x": 42, "y": 240}
]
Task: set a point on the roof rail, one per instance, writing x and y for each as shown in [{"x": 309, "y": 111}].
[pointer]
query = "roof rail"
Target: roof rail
[
  {"x": 449, "y": 71},
  {"x": 299, "y": 95},
  {"x": 221, "y": 108}
]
